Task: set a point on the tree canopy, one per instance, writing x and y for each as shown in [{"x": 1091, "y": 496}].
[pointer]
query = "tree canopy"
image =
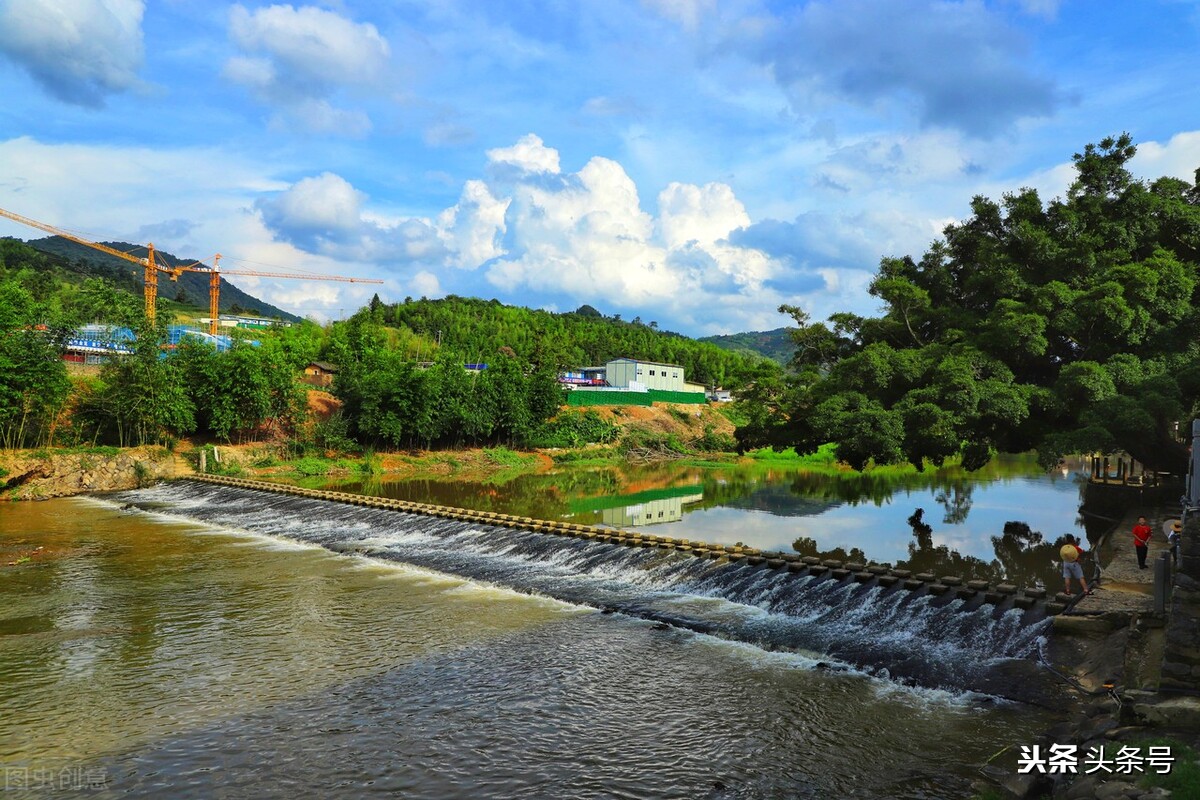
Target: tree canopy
[
  {"x": 1069, "y": 326},
  {"x": 475, "y": 328}
]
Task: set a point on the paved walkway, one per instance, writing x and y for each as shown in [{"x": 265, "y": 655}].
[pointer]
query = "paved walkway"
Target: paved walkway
[{"x": 1123, "y": 586}]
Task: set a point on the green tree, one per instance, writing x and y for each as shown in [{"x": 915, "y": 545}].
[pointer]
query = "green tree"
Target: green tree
[
  {"x": 1067, "y": 327},
  {"x": 33, "y": 379},
  {"x": 144, "y": 398}
]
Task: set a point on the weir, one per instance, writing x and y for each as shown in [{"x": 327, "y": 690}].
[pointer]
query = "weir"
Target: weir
[
  {"x": 942, "y": 590},
  {"x": 919, "y": 630}
]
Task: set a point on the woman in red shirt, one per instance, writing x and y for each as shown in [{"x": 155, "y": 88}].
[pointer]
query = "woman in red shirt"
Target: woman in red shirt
[{"x": 1141, "y": 539}]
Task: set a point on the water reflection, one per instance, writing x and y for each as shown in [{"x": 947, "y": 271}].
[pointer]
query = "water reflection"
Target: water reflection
[
  {"x": 1021, "y": 555},
  {"x": 997, "y": 523}
]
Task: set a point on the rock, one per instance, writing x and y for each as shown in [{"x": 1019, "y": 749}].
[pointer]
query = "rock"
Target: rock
[
  {"x": 1024, "y": 786},
  {"x": 1077, "y": 624},
  {"x": 1099, "y": 727},
  {"x": 1181, "y": 712},
  {"x": 1084, "y": 788},
  {"x": 1116, "y": 790},
  {"x": 1157, "y": 793},
  {"x": 1123, "y": 732}
]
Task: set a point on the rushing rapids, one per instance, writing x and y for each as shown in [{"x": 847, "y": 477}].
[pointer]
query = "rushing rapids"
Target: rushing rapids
[{"x": 913, "y": 637}]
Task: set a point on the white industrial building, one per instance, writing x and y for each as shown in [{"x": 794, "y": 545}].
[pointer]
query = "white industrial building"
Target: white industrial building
[{"x": 629, "y": 373}]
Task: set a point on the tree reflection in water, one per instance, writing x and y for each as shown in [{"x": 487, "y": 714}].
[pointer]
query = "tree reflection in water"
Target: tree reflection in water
[{"x": 1023, "y": 556}]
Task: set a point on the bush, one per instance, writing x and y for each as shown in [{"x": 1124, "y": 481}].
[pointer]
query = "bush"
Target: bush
[
  {"x": 680, "y": 415},
  {"x": 505, "y": 457},
  {"x": 142, "y": 474},
  {"x": 309, "y": 466},
  {"x": 572, "y": 429},
  {"x": 334, "y": 434},
  {"x": 713, "y": 442}
]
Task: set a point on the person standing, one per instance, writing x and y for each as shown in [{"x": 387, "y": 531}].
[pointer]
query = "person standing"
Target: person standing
[
  {"x": 1141, "y": 540},
  {"x": 1071, "y": 568},
  {"x": 1174, "y": 537}
]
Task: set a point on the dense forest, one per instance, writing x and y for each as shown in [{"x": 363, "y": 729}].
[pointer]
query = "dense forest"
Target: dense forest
[
  {"x": 1066, "y": 327},
  {"x": 775, "y": 344},
  {"x": 579, "y": 338},
  {"x": 401, "y": 385}
]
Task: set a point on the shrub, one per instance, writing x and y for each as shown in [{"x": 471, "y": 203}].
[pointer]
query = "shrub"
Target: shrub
[
  {"x": 572, "y": 429},
  {"x": 310, "y": 466},
  {"x": 142, "y": 474}
]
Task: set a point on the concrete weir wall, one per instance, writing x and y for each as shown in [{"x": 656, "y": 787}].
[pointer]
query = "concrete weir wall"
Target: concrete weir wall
[
  {"x": 944, "y": 588},
  {"x": 1181, "y": 659}
]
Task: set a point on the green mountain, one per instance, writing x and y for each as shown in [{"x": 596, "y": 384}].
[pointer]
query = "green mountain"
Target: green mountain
[
  {"x": 776, "y": 345},
  {"x": 190, "y": 290},
  {"x": 477, "y": 329}
]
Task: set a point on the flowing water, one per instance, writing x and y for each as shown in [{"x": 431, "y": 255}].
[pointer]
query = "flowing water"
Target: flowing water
[
  {"x": 215, "y": 644},
  {"x": 997, "y": 524}
]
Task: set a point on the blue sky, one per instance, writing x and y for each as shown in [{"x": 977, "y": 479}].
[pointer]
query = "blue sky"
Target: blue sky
[{"x": 692, "y": 162}]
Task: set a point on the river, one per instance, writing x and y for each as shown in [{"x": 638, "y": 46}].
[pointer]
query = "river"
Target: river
[{"x": 212, "y": 645}]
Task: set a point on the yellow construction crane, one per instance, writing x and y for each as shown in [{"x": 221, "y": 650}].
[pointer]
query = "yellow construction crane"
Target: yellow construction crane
[
  {"x": 214, "y": 282},
  {"x": 149, "y": 263},
  {"x": 152, "y": 267}
]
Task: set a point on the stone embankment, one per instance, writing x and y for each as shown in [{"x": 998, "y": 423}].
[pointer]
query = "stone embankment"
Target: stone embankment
[
  {"x": 943, "y": 589},
  {"x": 34, "y": 475},
  {"x": 1138, "y": 669}
]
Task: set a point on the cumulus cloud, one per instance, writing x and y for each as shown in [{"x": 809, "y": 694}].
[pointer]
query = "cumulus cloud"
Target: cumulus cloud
[
  {"x": 1179, "y": 157},
  {"x": 960, "y": 64},
  {"x": 324, "y": 214},
  {"x": 471, "y": 230},
  {"x": 80, "y": 51},
  {"x": 543, "y": 235},
  {"x": 297, "y": 58},
  {"x": 529, "y": 154}
]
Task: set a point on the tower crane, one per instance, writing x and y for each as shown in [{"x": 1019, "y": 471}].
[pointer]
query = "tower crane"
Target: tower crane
[
  {"x": 149, "y": 263},
  {"x": 152, "y": 267},
  {"x": 214, "y": 282}
]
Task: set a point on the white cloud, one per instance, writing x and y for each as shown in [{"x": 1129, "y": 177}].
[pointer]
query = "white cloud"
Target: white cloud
[
  {"x": 471, "y": 230},
  {"x": 1179, "y": 157},
  {"x": 424, "y": 284},
  {"x": 324, "y": 214},
  {"x": 540, "y": 233},
  {"x": 529, "y": 154},
  {"x": 80, "y": 51},
  {"x": 297, "y": 58},
  {"x": 705, "y": 214},
  {"x": 327, "y": 205}
]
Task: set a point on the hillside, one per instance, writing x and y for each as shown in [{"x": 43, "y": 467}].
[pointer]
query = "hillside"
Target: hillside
[
  {"x": 475, "y": 329},
  {"x": 776, "y": 344},
  {"x": 190, "y": 290}
]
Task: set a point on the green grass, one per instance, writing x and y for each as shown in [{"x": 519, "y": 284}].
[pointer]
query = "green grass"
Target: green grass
[
  {"x": 1184, "y": 778},
  {"x": 823, "y": 457},
  {"x": 504, "y": 457},
  {"x": 310, "y": 466},
  {"x": 592, "y": 457},
  {"x": 733, "y": 412},
  {"x": 824, "y": 460}
]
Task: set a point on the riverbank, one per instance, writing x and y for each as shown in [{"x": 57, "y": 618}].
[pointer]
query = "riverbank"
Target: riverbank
[
  {"x": 42, "y": 474},
  {"x": 1117, "y": 652}
]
